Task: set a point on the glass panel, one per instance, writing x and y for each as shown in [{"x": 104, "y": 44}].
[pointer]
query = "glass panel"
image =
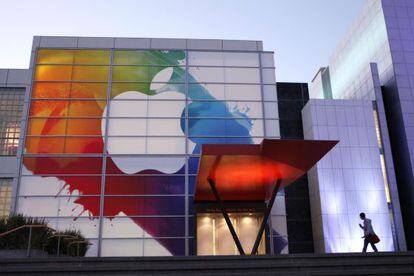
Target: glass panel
[
  {"x": 6, "y": 186},
  {"x": 144, "y": 57},
  {"x": 47, "y": 108},
  {"x": 144, "y": 184},
  {"x": 118, "y": 88},
  {"x": 271, "y": 110},
  {"x": 221, "y": 75},
  {"x": 219, "y": 140},
  {"x": 124, "y": 227},
  {"x": 145, "y": 164},
  {"x": 127, "y": 127},
  {"x": 62, "y": 165},
  {"x": 242, "y": 75},
  {"x": 51, "y": 90},
  {"x": 206, "y": 74},
  {"x": 166, "y": 108},
  {"x": 58, "y": 206},
  {"x": 241, "y": 59},
  {"x": 89, "y": 227},
  {"x": 214, "y": 238},
  {"x": 83, "y": 145},
  {"x": 225, "y": 127},
  {"x": 223, "y": 59},
  {"x": 268, "y": 76},
  {"x": 122, "y": 247},
  {"x": 79, "y": 108},
  {"x": 84, "y": 127},
  {"x": 148, "y": 145},
  {"x": 53, "y": 72},
  {"x": 46, "y": 144},
  {"x": 175, "y": 247},
  {"x": 89, "y": 90},
  {"x": 130, "y": 73},
  {"x": 229, "y": 109},
  {"x": 50, "y": 56},
  {"x": 227, "y": 92},
  {"x": 272, "y": 128},
  {"x": 205, "y": 58},
  {"x": 90, "y": 73},
  {"x": 46, "y": 126},
  {"x": 97, "y": 57},
  {"x": 145, "y": 74},
  {"x": 268, "y": 60},
  {"x": 269, "y": 93},
  {"x": 50, "y": 126},
  {"x": 165, "y": 127},
  {"x": 59, "y": 185},
  {"x": 144, "y": 206}
]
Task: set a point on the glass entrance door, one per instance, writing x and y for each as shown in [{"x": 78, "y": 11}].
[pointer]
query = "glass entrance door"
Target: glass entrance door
[{"x": 214, "y": 237}]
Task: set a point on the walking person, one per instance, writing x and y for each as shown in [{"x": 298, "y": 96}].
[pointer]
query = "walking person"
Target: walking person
[{"x": 369, "y": 234}]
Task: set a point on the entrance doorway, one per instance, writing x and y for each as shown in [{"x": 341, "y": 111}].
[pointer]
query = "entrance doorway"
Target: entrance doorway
[{"x": 214, "y": 237}]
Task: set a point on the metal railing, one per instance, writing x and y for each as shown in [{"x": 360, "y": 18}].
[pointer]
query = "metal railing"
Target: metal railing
[{"x": 59, "y": 236}]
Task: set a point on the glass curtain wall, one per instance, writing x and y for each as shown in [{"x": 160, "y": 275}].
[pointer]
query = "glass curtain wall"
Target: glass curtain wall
[{"x": 114, "y": 136}]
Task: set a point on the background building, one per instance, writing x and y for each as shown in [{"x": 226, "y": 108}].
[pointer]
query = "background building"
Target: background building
[{"x": 383, "y": 34}]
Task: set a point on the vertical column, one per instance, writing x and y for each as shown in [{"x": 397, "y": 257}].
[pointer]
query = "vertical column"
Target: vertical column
[{"x": 104, "y": 155}]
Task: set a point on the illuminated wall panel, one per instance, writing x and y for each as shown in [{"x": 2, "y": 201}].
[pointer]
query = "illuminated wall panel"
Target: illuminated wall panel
[{"x": 348, "y": 180}]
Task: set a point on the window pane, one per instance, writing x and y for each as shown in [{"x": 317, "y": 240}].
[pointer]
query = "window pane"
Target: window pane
[
  {"x": 50, "y": 56},
  {"x": 225, "y": 127},
  {"x": 136, "y": 164},
  {"x": 144, "y": 205},
  {"x": 53, "y": 72},
  {"x": 64, "y": 145},
  {"x": 225, "y": 91},
  {"x": 144, "y": 184},
  {"x": 89, "y": 90},
  {"x": 145, "y": 57},
  {"x": 146, "y": 145},
  {"x": 268, "y": 76},
  {"x": 59, "y": 185},
  {"x": 268, "y": 60},
  {"x": 221, "y": 75},
  {"x": 90, "y": 73},
  {"x": 56, "y": 206},
  {"x": 97, "y": 57},
  {"x": 62, "y": 165},
  {"x": 229, "y": 109},
  {"x": 223, "y": 59},
  {"x": 51, "y": 90},
  {"x": 63, "y": 108},
  {"x": 51, "y": 126}
]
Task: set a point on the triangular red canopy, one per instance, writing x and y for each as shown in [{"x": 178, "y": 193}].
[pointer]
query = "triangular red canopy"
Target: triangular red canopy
[{"x": 249, "y": 172}]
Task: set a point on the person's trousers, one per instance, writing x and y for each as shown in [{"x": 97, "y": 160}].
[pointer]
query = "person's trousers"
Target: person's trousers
[{"x": 366, "y": 242}]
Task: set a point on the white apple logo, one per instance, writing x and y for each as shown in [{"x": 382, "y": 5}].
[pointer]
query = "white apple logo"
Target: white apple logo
[{"x": 136, "y": 105}]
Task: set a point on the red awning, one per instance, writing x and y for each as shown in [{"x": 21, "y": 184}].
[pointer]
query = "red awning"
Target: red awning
[{"x": 249, "y": 172}]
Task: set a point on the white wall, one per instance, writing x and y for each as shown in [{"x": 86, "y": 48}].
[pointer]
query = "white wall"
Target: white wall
[{"x": 348, "y": 180}]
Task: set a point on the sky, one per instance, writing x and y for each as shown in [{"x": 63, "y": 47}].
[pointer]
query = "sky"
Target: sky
[{"x": 302, "y": 33}]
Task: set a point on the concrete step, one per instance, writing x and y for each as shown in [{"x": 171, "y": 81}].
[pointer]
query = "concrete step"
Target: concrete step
[{"x": 392, "y": 263}]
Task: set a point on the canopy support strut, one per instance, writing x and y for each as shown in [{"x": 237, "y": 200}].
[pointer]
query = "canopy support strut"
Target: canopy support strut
[
  {"x": 226, "y": 216},
  {"x": 266, "y": 217}
]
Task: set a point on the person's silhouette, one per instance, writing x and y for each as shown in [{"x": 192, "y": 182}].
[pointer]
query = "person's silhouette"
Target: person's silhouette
[{"x": 368, "y": 232}]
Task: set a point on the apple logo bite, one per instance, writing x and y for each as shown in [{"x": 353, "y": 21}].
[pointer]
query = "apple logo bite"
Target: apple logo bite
[{"x": 130, "y": 123}]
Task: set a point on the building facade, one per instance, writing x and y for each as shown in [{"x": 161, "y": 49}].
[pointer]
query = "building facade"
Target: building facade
[
  {"x": 112, "y": 131},
  {"x": 375, "y": 62}
]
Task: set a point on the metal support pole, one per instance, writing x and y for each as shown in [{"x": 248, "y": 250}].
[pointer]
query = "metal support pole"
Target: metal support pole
[
  {"x": 226, "y": 216},
  {"x": 58, "y": 246},
  {"x": 28, "y": 243},
  {"x": 266, "y": 217}
]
